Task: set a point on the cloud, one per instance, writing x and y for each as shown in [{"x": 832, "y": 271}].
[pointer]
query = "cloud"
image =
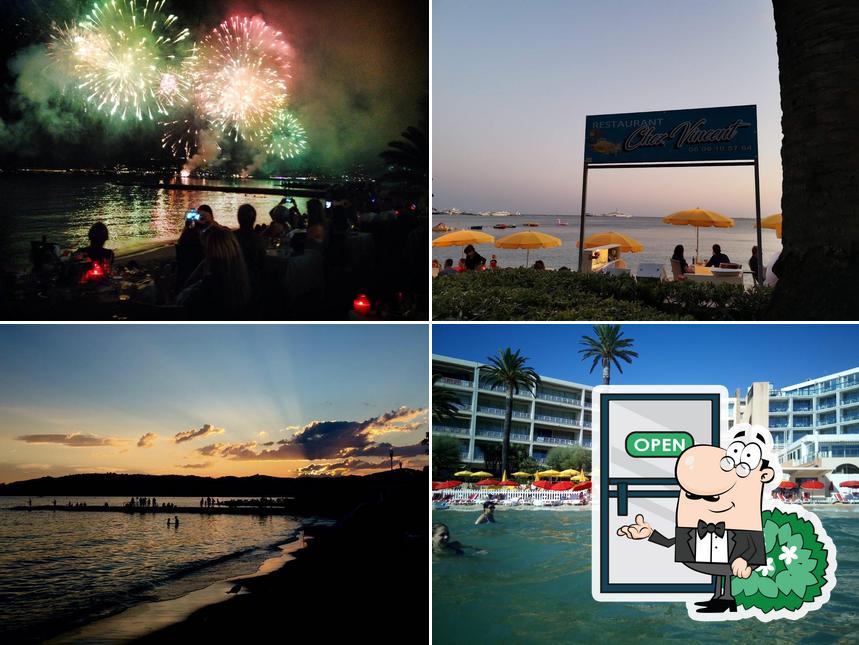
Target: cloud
[
  {"x": 331, "y": 440},
  {"x": 205, "y": 464},
  {"x": 147, "y": 440},
  {"x": 193, "y": 434},
  {"x": 34, "y": 466},
  {"x": 74, "y": 440},
  {"x": 338, "y": 468}
]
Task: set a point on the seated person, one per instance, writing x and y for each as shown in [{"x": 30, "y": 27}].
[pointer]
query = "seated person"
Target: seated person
[
  {"x": 220, "y": 286},
  {"x": 473, "y": 260},
  {"x": 96, "y": 252},
  {"x": 189, "y": 253},
  {"x": 718, "y": 257},
  {"x": 539, "y": 266},
  {"x": 253, "y": 246},
  {"x": 681, "y": 260},
  {"x": 448, "y": 268}
]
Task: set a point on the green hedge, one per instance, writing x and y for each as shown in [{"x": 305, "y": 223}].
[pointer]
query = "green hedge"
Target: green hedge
[{"x": 526, "y": 294}]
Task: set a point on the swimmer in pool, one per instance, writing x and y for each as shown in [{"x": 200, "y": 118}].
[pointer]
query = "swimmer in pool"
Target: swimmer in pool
[{"x": 488, "y": 514}]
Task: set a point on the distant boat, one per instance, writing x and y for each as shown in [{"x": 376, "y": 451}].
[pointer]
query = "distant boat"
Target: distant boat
[
  {"x": 615, "y": 213},
  {"x": 440, "y": 228},
  {"x": 496, "y": 213},
  {"x": 502, "y": 226},
  {"x": 560, "y": 223},
  {"x": 530, "y": 224},
  {"x": 476, "y": 228}
]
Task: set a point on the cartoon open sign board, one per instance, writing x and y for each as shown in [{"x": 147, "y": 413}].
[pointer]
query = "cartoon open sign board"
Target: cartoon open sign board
[{"x": 683, "y": 510}]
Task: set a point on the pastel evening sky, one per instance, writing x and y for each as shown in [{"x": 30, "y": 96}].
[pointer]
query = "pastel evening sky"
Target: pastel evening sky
[
  {"x": 206, "y": 399},
  {"x": 513, "y": 82}
]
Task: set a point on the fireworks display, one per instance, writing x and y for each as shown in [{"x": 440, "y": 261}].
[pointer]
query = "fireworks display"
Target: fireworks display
[
  {"x": 287, "y": 138},
  {"x": 128, "y": 56},
  {"x": 129, "y": 59},
  {"x": 240, "y": 76}
]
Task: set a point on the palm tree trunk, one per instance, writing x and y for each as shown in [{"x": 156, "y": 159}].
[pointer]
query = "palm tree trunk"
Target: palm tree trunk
[
  {"x": 606, "y": 372},
  {"x": 818, "y": 51},
  {"x": 508, "y": 425}
]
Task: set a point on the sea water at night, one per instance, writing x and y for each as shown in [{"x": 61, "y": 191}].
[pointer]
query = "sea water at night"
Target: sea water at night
[
  {"x": 531, "y": 581},
  {"x": 657, "y": 238},
  {"x": 58, "y": 568},
  {"x": 62, "y": 207}
]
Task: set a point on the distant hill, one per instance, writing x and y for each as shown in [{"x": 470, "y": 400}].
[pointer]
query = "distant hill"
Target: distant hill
[{"x": 312, "y": 495}]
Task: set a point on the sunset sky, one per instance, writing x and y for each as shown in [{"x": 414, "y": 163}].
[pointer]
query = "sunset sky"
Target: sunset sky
[
  {"x": 211, "y": 399},
  {"x": 513, "y": 82}
]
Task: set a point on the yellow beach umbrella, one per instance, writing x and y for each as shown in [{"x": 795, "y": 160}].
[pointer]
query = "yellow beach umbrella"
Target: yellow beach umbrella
[
  {"x": 464, "y": 473},
  {"x": 522, "y": 474},
  {"x": 528, "y": 240},
  {"x": 698, "y": 218},
  {"x": 569, "y": 472},
  {"x": 773, "y": 222},
  {"x": 482, "y": 474},
  {"x": 579, "y": 478},
  {"x": 627, "y": 244},
  {"x": 549, "y": 473},
  {"x": 463, "y": 238}
]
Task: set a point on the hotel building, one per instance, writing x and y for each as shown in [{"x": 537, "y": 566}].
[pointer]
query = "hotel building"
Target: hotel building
[
  {"x": 814, "y": 424},
  {"x": 558, "y": 415}
]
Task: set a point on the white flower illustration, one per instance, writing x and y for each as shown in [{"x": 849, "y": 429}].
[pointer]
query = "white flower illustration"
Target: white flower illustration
[
  {"x": 788, "y": 555},
  {"x": 766, "y": 569}
]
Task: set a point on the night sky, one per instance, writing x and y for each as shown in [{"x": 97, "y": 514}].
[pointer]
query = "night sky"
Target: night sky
[{"x": 359, "y": 77}]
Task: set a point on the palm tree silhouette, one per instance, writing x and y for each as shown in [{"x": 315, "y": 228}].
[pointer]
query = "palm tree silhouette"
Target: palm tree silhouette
[
  {"x": 509, "y": 370},
  {"x": 608, "y": 347}
]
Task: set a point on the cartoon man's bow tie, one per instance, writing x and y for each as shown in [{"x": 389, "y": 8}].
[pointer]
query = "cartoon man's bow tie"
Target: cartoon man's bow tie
[{"x": 708, "y": 527}]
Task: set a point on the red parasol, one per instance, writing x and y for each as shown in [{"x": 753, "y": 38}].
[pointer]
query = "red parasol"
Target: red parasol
[
  {"x": 812, "y": 485},
  {"x": 787, "y": 485},
  {"x": 562, "y": 486},
  {"x": 543, "y": 484},
  {"x": 852, "y": 483},
  {"x": 488, "y": 482},
  {"x": 582, "y": 486},
  {"x": 509, "y": 483}
]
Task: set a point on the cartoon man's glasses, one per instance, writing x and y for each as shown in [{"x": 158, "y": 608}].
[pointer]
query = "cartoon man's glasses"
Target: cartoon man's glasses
[{"x": 744, "y": 457}]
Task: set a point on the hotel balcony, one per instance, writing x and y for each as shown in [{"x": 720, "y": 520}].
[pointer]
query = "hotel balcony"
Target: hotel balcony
[
  {"x": 560, "y": 421},
  {"x": 558, "y": 397},
  {"x": 560, "y": 441},
  {"x": 499, "y": 412},
  {"x": 442, "y": 429},
  {"x": 456, "y": 382},
  {"x": 499, "y": 435}
]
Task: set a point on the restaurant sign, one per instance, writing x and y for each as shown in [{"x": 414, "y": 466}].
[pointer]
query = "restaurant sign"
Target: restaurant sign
[{"x": 706, "y": 134}]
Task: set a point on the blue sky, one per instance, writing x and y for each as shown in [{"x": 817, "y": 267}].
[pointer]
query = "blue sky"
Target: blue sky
[
  {"x": 729, "y": 355},
  {"x": 255, "y": 383},
  {"x": 513, "y": 82}
]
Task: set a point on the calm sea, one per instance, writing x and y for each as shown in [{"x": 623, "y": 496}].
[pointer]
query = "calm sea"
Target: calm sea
[
  {"x": 63, "y": 207},
  {"x": 657, "y": 238},
  {"x": 532, "y": 584},
  {"x": 59, "y": 569}
]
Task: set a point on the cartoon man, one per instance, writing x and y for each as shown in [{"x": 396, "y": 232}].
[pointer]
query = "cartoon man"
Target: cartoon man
[{"x": 718, "y": 530}]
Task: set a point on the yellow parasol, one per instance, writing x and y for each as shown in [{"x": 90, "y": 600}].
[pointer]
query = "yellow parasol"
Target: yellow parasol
[
  {"x": 548, "y": 473},
  {"x": 579, "y": 478},
  {"x": 627, "y": 244},
  {"x": 528, "y": 240},
  {"x": 464, "y": 473},
  {"x": 463, "y": 238},
  {"x": 569, "y": 472},
  {"x": 773, "y": 222},
  {"x": 522, "y": 473},
  {"x": 482, "y": 474},
  {"x": 697, "y": 217}
]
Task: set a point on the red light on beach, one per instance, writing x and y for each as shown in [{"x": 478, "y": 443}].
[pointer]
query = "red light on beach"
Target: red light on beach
[
  {"x": 361, "y": 304},
  {"x": 96, "y": 272}
]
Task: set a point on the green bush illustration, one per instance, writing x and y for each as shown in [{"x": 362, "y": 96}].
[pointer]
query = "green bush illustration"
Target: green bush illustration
[{"x": 795, "y": 569}]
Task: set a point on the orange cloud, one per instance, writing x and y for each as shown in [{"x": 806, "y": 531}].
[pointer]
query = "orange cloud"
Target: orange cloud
[
  {"x": 74, "y": 440},
  {"x": 206, "y": 430},
  {"x": 147, "y": 440}
]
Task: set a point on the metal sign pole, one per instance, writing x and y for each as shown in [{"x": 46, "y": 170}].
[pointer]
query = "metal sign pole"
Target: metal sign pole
[
  {"x": 582, "y": 220},
  {"x": 760, "y": 269}
]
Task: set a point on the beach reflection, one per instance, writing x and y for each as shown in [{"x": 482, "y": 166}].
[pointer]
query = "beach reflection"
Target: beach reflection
[{"x": 63, "y": 207}]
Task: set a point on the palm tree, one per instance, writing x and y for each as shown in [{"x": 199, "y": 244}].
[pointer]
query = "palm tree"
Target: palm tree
[
  {"x": 818, "y": 52},
  {"x": 608, "y": 347},
  {"x": 509, "y": 370},
  {"x": 407, "y": 159},
  {"x": 445, "y": 403}
]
